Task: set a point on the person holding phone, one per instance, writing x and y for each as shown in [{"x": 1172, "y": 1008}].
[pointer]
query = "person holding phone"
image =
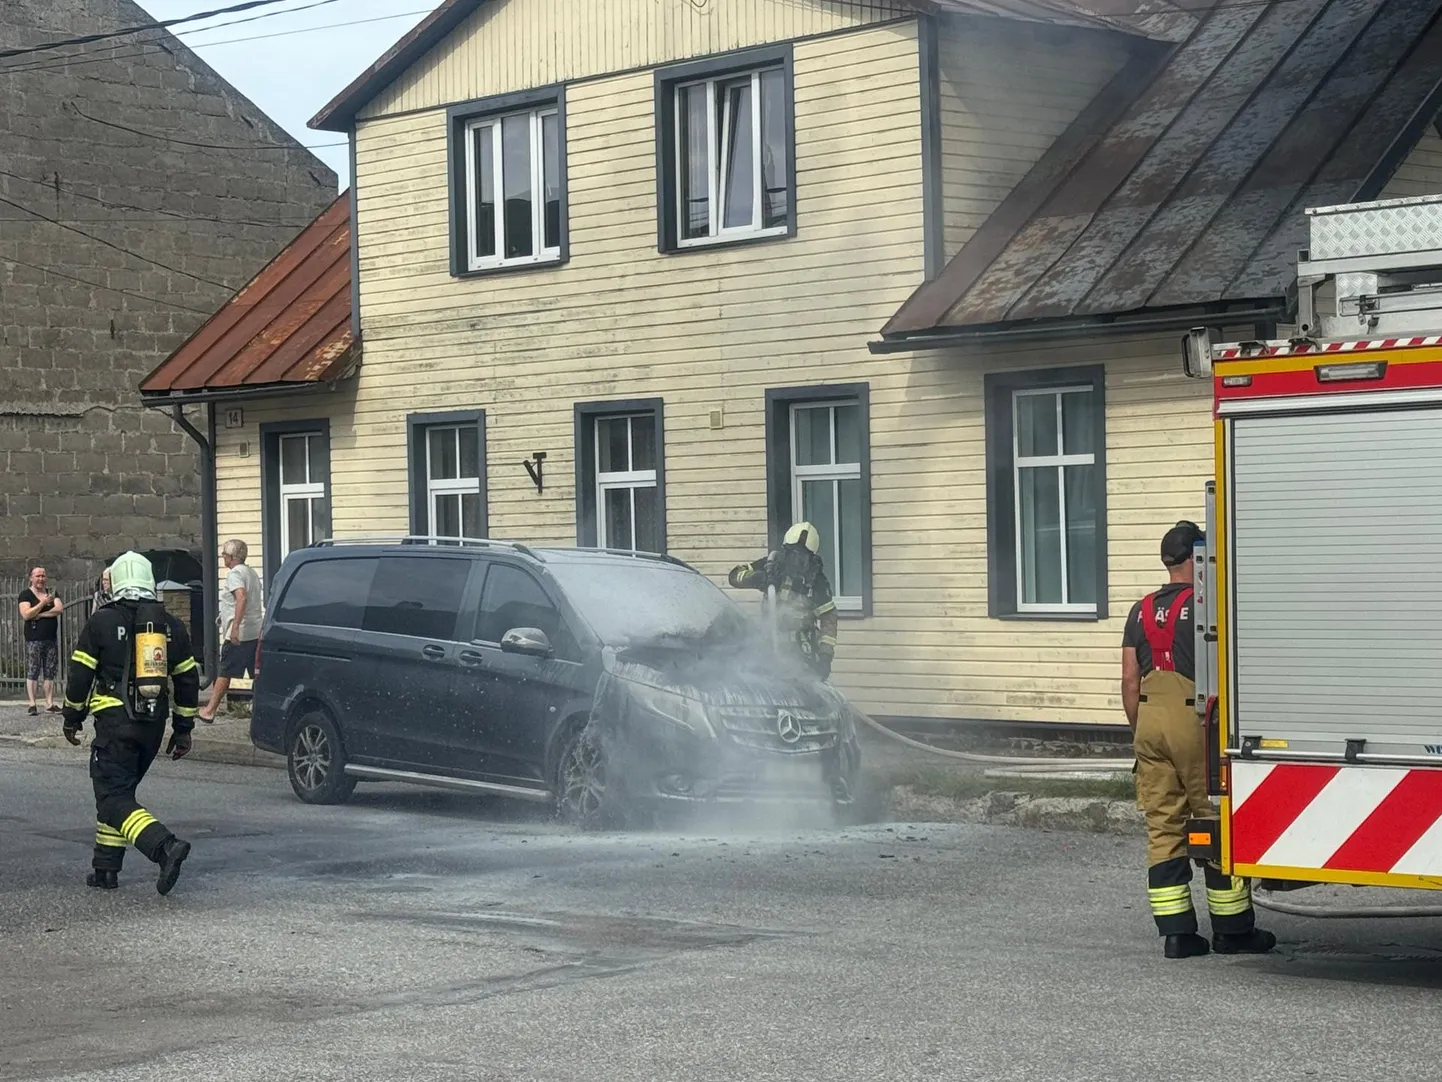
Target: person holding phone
[{"x": 40, "y": 608}]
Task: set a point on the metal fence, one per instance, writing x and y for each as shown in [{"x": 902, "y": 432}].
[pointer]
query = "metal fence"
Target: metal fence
[{"x": 77, "y": 598}]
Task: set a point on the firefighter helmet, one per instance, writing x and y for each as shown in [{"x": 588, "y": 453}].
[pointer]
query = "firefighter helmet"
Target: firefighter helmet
[
  {"x": 803, "y": 533},
  {"x": 132, "y": 577}
]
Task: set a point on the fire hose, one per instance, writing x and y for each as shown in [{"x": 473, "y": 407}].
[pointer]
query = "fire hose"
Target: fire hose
[
  {"x": 1024, "y": 764},
  {"x": 1264, "y": 900}
]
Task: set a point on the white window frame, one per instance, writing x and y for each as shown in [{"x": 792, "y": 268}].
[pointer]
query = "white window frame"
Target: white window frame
[
  {"x": 309, "y": 490},
  {"x": 619, "y": 479},
  {"x": 716, "y": 171},
  {"x": 541, "y": 254},
  {"x": 1059, "y": 462},
  {"x": 450, "y": 486},
  {"x": 834, "y": 472}
]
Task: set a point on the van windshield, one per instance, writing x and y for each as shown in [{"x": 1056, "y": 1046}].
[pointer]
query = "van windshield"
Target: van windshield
[{"x": 628, "y": 603}]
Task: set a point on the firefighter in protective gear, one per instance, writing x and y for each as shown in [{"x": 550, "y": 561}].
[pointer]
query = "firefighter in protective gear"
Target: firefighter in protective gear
[
  {"x": 128, "y": 655},
  {"x": 1159, "y": 697},
  {"x": 805, "y": 611}
]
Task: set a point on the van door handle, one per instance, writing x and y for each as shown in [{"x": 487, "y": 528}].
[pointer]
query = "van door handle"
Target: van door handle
[
  {"x": 472, "y": 657},
  {"x": 434, "y": 652}
]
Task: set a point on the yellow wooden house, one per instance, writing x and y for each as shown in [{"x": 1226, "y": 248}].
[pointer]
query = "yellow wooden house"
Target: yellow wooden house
[{"x": 671, "y": 274}]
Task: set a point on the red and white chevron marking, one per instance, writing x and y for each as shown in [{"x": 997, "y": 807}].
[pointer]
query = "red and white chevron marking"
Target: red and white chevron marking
[
  {"x": 1283, "y": 349},
  {"x": 1342, "y": 818}
]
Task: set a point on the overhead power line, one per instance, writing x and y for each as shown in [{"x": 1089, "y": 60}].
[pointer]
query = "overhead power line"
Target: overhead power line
[
  {"x": 143, "y": 46},
  {"x": 108, "y": 289},
  {"x": 87, "y": 39},
  {"x": 207, "y": 146},
  {"x": 111, "y": 244},
  {"x": 160, "y": 213},
  {"x": 150, "y": 46}
]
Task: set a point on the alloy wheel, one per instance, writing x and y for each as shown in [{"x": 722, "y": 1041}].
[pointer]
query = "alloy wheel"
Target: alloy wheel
[
  {"x": 312, "y": 757},
  {"x": 583, "y": 781}
]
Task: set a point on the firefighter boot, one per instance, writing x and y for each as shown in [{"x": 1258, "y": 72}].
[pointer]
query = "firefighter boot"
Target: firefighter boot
[
  {"x": 172, "y": 853},
  {"x": 1186, "y": 945},
  {"x": 1254, "y": 942},
  {"x": 103, "y": 879}
]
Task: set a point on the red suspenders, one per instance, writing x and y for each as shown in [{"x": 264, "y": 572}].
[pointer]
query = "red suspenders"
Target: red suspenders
[{"x": 1164, "y": 637}]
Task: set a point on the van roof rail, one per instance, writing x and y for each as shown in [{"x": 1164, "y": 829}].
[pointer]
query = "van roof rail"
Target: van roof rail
[
  {"x": 429, "y": 539},
  {"x": 660, "y": 557}
]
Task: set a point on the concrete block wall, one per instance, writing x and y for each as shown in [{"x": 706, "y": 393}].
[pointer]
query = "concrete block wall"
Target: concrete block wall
[{"x": 119, "y": 235}]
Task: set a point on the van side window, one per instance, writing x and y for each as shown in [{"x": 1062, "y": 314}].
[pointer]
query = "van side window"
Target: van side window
[
  {"x": 328, "y": 593},
  {"x": 514, "y": 599},
  {"x": 416, "y": 596}
]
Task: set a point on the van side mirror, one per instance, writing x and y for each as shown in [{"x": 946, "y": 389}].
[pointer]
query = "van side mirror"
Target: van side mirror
[{"x": 531, "y": 641}]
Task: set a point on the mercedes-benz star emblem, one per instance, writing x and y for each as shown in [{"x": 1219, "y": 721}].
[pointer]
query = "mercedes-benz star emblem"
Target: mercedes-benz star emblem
[{"x": 787, "y": 727}]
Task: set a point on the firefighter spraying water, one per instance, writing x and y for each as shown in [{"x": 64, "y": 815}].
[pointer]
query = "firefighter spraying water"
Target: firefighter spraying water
[{"x": 800, "y": 610}]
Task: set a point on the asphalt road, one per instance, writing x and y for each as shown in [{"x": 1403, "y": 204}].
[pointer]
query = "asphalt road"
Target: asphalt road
[{"x": 419, "y": 935}]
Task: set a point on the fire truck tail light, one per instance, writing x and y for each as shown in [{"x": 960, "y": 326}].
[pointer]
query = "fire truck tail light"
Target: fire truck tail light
[
  {"x": 1339, "y": 373},
  {"x": 1236, "y": 381}
]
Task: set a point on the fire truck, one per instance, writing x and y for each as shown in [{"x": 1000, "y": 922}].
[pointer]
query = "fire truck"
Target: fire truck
[{"x": 1319, "y": 584}]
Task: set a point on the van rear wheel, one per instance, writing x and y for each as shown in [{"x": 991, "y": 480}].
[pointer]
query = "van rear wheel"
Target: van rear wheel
[{"x": 315, "y": 761}]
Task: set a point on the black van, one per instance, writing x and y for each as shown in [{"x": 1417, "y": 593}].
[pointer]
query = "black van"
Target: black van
[{"x": 608, "y": 683}]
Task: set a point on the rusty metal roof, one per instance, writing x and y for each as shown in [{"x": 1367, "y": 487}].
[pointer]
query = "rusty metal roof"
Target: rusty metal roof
[
  {"x": 1159, "y": 19},
  {"x": 1184, "y": 182},
  {"x": 289, "y": 326}
]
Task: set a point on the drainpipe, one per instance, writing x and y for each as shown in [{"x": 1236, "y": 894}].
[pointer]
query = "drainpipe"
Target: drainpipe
[{"x": 209, "y": 527}]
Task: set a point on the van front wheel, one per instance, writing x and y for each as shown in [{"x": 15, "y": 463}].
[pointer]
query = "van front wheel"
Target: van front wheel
[
  {"x": 315, "y": 761},
  {"x": 589, "y": 793}
]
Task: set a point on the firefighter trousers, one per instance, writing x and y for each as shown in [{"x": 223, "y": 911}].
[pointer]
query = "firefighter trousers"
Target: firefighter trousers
[
  {"x": 120, "y": 754},
  {"x": 1171, "y": 788}
]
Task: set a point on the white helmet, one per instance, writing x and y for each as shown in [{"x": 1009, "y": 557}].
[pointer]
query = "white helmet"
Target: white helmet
[
  {"x": 804, "y": 533},
  {"x": 132, "y": 578}
]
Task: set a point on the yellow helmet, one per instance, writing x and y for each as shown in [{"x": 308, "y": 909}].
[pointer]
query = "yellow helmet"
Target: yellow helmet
[{"x": 803, "y": 533}]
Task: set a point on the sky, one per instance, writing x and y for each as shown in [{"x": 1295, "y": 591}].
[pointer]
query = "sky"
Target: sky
[{"x": 303, "y": 58}]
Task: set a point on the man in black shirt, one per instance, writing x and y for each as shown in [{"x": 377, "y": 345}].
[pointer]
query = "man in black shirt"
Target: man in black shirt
[
  {"x": 41, "y": 609},
  {"x": 1159, "y": 697}
]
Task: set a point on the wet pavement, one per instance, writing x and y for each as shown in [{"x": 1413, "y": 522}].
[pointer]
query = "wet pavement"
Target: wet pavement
[{"x": 424, "y": 935}]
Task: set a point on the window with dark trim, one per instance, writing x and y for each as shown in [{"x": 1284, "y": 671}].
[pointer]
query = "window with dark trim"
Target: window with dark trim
[
  {"x": 508, "y": 182},
  {"x": 621, "y": 474},
  {"x": 295, "y": 488},
  {"x": 725, "y": 149},
  {"x": 447, "y": 454},
  {"x": 1046, "y": 493},
  {"x": 818, "y": 468}
]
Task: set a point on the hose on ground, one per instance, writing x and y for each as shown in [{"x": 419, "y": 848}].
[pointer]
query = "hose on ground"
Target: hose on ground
[
  {"x": 1264, "y": 900},
  {"x": 1021, "y": 763}
]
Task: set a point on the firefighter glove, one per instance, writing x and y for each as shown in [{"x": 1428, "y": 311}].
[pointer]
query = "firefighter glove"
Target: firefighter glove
[
  {"x": 71, "y": 728},
  {"x": 179, "y": 744}
]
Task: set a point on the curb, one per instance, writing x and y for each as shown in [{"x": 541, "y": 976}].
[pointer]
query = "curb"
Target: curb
[
  {"x": 230, "y": 752},
  {"x": 1089, "y": 815}
]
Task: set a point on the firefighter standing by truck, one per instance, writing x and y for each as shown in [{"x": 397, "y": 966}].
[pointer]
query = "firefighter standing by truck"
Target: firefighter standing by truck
[
  {"x": 1159, "y": 697},
  {"x": 128, "y": 653},
  {"x": 803, "y": 609}
]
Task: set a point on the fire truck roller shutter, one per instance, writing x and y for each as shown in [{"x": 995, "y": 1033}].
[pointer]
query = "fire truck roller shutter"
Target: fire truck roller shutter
[{"x": 1336, "y": 578}]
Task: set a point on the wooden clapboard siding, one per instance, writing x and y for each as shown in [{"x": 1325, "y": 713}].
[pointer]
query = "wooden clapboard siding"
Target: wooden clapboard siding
[
  {"x": 1008, "y": 89},
  {"x": 237, "y": 461},
  {"x": 714, "y": 329},
  {"x": 515, "y": 45},
  {"x": 1421, "y": 171}
]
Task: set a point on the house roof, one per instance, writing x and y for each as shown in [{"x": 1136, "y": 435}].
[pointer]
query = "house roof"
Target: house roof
[
  {"x": 1184, "y": 183},
  {"x": 1160, "y": 19},
  {"x": 288, "y": 327}
]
